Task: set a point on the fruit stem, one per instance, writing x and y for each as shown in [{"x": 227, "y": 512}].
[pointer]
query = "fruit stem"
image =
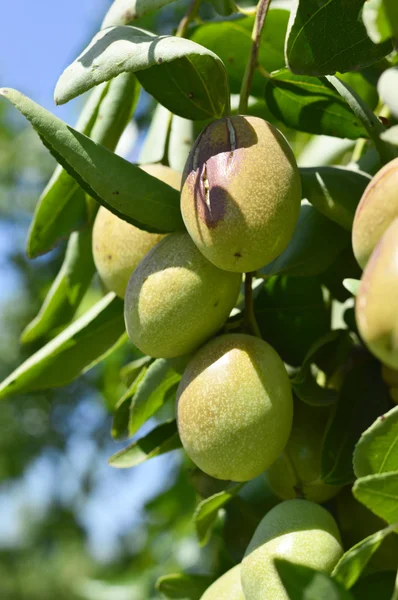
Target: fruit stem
[
  {"x": 249, "y": 320},
  {"x": 187, "y": 18},
  {"x": 261, "y": 13}
]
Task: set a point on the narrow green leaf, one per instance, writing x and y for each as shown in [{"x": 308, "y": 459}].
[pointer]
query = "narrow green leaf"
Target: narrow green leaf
[
  {"x": 387, "y": 88},
  {"x": 152, "y": 392},
  {"x": 185, "y": 77},
  {"x": 377, "y": 449},
  {"x": 310, "y": 104},
  {"x": 352, "y": 285},
  {"x": 330, "y": 36},
  {"x": 78, "y": 348},
  {"x": 160, "y": 440},
  {"x": 124, "y": 12},
  {"x": 67, "y": 290},
  {"x": 315, "y": 245},
  {"x": 217, "y": 37},
  {"x": 183, "y": 586},
  {"x": 353, "y": 562},
  {"x": 129, "y": 372},
  {"x": 224, "y": 7},
  {"x": 121, "y": 415},
  {"x": 379, "y": 493},
  {"x": 334, "y": 191},
  {"x": 62, "y": 206},
  {"x": 304, "y": 583},
  {"x": 381, "y": 19},
  {"x": 206, "y": 512},
  {"x": 363, "y": 397},
  {"x": 105, "y": 176}
]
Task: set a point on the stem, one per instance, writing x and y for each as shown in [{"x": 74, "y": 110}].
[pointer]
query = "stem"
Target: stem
[
  {"x": 249, "y": 320},
  {"x": 187, "y": 18},
  {"x": 165, "y": 157},
  {"x": 261, "y": 13}
]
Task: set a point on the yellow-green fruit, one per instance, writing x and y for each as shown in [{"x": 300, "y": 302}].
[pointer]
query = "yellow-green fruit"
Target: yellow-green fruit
[
  {"x": 234, "y": 407},
  {"x": 297, "y": 471},
  {"x": 296, "y": 530},
  {"x": 376, "y": 307},
  {"x": 377, "y": 209},
  {"x": 119, "y": 246},
  {"x": 226, "y": 587},
  {"x": 241, "y": 193},
  {"x": 176, "y": 299}
]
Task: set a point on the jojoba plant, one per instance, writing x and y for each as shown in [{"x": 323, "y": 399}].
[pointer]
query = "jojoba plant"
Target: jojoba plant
[{"x": 263, "y": 180}]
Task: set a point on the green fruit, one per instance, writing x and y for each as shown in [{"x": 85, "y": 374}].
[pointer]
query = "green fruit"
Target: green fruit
[
  {"x": 176, "y": 299},
  {"x": 119, "y": 246},
  {"x": 241, "y": 193},
  {"x": 297, "y": 471},
  {"x": 356, "y": 522},
  {"x": 296, "y": 530},
  {"x": 377, "y": 209},
  {"x": 376, "y": 303},
  {"x": 234, "y": 407},
  {"x": 226, "y": 587}
]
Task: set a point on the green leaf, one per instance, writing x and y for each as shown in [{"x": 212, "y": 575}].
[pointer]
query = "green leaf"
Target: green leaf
[
  {"x": 67, "y": 290},
  {"x": 328, "y": 352},
  {"x": 363, "y": 398},
  {"x": 334, "y": 191},
  {"x": 207, "y": 511},
  {"x": 62, "y": 206},
  {"x": 377, "y": 449},
  {"x": 160, "y": 440},
  {"x": 77, "y": 349},
  {"x": 217, "y": 37},
  {"x": 152, "y": 392},
  {"x": 304, "y": 583},
  {"x": 291, "y": 314},
  {"x": 224, "y": 7},
  {"x": 105, "y": 176},
  {"x": 379, "y": 493},
  {"x": 123, "y": 12},
  {"x": 129, "y": 372},
  {"x": 310, "y": 104},
  {"x": 185, "y": 77},
  {"x": 387, "y": 87},
  {"x": 315, "y": 245},
  {"x": 381, "y": 19},
  {"x": 183, "y": 586},
  {"x": 353, "y": 562},
  {"x": 363, "y": 84},
  {"x": 352, "y": 285},
  {"x": 330, "y": 36},
  {"x": 378, "y": 585},
  {"x": 121, "y": 415}
]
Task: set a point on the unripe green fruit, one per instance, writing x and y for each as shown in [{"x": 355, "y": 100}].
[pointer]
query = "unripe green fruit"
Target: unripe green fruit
[
  {"x": 226, "y": 587},
  {"x": 241, "y": 193},
  {"x": 119, "y": 246},
  {"x": 297, "y": 471},
  {"x": 234, "y": 407},
  {"x": 377, "y": 209},
  {"x": 377, "y": 300},
  {"x": 176, "y": 299},
  {"x": 296, "y": 530}
]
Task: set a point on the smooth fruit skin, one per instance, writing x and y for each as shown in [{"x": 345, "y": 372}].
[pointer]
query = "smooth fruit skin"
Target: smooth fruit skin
[
  {"x": 176, "y": 299},
  {"x": 241, "y": 193},
  {"x": 377, "y": 209},
  {"x": 376, "y": 307},
  {"x": 119, "y": 246},
  {"x": 297, "y": 471},
  {"x": 295, "y": 530},
  {"x": 226, "y": 587},
  {"x": 234, "y": 407}
]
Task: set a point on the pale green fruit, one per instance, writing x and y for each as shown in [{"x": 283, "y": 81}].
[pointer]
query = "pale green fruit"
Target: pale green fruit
[
  {"x": 377, "y": 209},
  {"x": 296, "y": 530},
  {"x": 226, "y": 587},
  {"x": 297, "y": 471},
  {"x": 176, "y": 299},
  {"x": 234, "y": 407},
  {"x": 119, "y": 246},
  {"x": 376, "y": 307},
  {"x": 241, "y": 193}
]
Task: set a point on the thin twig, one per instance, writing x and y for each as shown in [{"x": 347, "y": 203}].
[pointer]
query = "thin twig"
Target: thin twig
[
  {"x": 249, "y": 320},
  {"x": 187, "y": 18},
  {"x": 262, "y": 9}
]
